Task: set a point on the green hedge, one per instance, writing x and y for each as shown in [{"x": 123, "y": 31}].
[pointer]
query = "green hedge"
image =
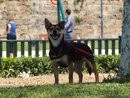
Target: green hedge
[
  {"x": 107, "y": 63},
  {"x": 11, "y": 67}
]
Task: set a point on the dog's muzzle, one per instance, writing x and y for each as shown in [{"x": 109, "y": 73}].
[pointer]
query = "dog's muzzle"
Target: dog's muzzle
[{"x": 55, "y": 36}]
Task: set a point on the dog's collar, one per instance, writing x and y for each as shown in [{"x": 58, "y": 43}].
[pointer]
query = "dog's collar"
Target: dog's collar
[{"x": 55, "y": 56}]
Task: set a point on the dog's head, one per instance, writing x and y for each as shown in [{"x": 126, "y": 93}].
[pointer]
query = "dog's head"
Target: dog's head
[{"x": 55, "y": 31}]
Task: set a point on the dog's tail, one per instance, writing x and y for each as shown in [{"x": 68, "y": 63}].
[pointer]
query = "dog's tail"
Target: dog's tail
[{"x": 89, "y": 68}]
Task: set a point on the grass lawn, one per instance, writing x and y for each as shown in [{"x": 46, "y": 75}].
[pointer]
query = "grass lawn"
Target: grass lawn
[{"x": 89, "y": 90}]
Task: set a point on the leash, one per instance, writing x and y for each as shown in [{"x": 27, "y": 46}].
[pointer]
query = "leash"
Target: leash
[{"x": 81, "y": 50}]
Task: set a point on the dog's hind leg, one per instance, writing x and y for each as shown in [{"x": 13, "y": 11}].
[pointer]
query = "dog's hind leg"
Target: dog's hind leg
[
  {"x": 78, "y": 69},
  {"x": 55, "y": 70},
  {"x": 95, "y": 72},
  {"x": 71, "y": 70}
]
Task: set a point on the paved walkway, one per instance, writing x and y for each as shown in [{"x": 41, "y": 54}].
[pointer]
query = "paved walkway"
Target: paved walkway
[{"x": 47, "y": 79}]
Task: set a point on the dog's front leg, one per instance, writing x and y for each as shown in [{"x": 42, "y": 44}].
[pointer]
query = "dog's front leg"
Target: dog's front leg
[
  {"x": 55, "y": 70},
  {"x": 71, "y": 70}
]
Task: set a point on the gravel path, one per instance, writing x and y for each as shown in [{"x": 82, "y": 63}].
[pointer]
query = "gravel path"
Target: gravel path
[{"x": 46, "y": 79}]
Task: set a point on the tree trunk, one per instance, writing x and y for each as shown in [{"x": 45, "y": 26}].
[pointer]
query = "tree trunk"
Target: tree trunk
[{"x": 124, "y": 69}]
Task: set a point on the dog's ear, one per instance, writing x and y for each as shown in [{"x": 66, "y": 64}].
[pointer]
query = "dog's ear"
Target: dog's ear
[
  {"x": 48, "y": 24},
  {"x": 61, "y": 24}
]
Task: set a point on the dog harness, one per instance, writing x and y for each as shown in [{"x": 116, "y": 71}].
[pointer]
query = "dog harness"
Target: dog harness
[
  {"x": 56, "y": 55},
  {"x": 74, "y": 50},
  {"x": 81, "y": 50}
]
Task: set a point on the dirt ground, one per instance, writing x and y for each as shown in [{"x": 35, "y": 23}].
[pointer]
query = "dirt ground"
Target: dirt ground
[{"x": 46, "y": 79}]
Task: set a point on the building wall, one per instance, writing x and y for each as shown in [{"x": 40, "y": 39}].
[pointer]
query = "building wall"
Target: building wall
[{"x": 30, "y": 14}]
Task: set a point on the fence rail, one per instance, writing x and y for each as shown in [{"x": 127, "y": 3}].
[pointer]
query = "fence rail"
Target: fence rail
[{"x": 39, "y": 48}]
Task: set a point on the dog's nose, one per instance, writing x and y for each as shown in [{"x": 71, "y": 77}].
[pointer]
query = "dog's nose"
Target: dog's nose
[{"x": 54, "y": 33}]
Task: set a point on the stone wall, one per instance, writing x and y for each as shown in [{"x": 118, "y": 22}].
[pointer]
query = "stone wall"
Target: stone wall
[
  {"x": 91, "y": 15},
  {"x": 29, "y": 16}
]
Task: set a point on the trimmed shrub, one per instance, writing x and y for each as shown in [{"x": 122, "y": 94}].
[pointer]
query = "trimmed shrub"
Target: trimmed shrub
[
  {"x": 107, "y": 63},
  {"x": 12, "y": 67}
]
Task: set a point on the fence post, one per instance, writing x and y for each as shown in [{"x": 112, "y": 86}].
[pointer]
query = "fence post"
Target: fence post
[
  {"x": 99, "y": 46},
  {"x": 37, "y": 49},
  {"x": 7, "y": 48},
  {"x": 113, "y": 47},
  {"x": 22, "y": 48},
  {"x": 15, "y": 48},
  {"x": 86, "y": 42},
  {"x": 44, "y": 48},
  {"x": 106, "y": 46},
  {"x": 93, "y": 46},
  {"x": 29, "y": 48}
]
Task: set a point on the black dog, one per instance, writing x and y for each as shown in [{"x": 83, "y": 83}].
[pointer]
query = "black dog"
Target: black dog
[{"x": 70, "y": 54}]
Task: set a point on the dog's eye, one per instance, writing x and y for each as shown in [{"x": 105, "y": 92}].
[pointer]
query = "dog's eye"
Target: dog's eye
[
  {"x": 51, "y": 28},
  {"x": 57, "y": 28}
]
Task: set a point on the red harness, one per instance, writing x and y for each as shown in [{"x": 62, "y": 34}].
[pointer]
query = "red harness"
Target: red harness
[{"x": 83, "y": 51}]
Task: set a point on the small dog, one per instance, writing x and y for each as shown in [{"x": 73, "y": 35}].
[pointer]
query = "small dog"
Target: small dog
[{"x": 69, "y": 54}]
